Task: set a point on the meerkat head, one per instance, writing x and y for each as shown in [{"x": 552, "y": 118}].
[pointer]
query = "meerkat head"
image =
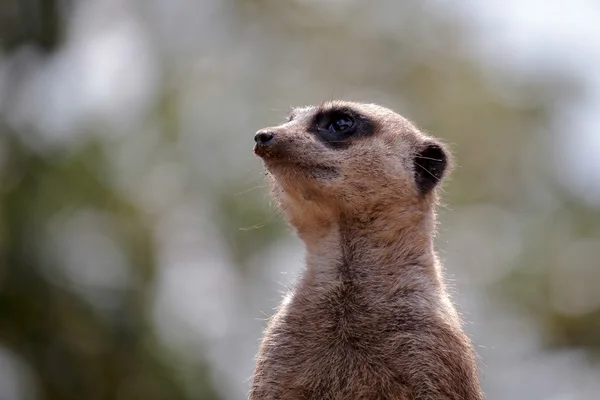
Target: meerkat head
[{"x": 350, "y": 160}]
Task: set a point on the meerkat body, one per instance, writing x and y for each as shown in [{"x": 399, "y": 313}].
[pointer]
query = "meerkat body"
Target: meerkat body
[{"x": 370, "y": 317}]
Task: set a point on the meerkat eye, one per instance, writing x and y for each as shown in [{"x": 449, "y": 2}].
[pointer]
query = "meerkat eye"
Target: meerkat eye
[
  {"x": 341, "y": 124},
  {"x": 337, "y": 127}
]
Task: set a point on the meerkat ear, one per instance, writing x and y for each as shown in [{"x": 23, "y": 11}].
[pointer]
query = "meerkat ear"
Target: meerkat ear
[{"x": 430, "y": 164}]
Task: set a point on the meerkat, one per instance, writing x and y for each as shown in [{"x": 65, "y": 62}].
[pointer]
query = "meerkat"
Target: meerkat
[{"x": 370, "y": 317}]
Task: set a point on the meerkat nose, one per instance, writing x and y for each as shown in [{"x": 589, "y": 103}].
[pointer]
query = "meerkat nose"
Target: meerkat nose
[{"x": 264, "y": 137}]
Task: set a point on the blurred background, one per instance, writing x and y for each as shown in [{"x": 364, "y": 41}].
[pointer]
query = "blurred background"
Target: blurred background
[{"x": 139, "y": 255}]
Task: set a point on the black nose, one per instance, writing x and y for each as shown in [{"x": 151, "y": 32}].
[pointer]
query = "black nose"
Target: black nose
[{"x": 264, "y": 137}]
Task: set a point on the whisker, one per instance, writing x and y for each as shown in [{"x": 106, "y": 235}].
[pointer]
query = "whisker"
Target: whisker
[
  {"x": 429, "y": 158},
  {"x": 249, "y": 190},
  {"x": 250, "y": 178},
  {"x": 256, "y": 226}
]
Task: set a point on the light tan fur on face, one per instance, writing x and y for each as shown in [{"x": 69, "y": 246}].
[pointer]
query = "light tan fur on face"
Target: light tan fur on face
[{"x": 370, "y": 317}]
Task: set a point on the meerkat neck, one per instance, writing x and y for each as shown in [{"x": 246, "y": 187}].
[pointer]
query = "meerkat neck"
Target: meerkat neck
[{"x": 366, "y": 249}]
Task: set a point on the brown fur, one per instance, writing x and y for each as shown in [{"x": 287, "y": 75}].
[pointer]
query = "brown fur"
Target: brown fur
[{"x": 370, "y": 317}]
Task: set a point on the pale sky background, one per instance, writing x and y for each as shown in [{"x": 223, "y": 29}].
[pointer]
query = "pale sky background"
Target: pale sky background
[{"x": 551, "y": 35}]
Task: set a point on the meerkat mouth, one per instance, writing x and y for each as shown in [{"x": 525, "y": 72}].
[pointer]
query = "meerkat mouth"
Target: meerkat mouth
[
  {"x": 278, "y": 161},
  {"x": 265, "y": 152},
  {"x": 280, "y": 166}
]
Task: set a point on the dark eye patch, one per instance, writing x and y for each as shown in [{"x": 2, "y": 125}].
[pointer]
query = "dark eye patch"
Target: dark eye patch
[{"x": 337, "y": 126}]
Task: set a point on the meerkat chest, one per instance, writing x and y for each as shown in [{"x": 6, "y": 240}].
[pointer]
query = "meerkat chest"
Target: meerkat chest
[{"x": 337, "y": 343}]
